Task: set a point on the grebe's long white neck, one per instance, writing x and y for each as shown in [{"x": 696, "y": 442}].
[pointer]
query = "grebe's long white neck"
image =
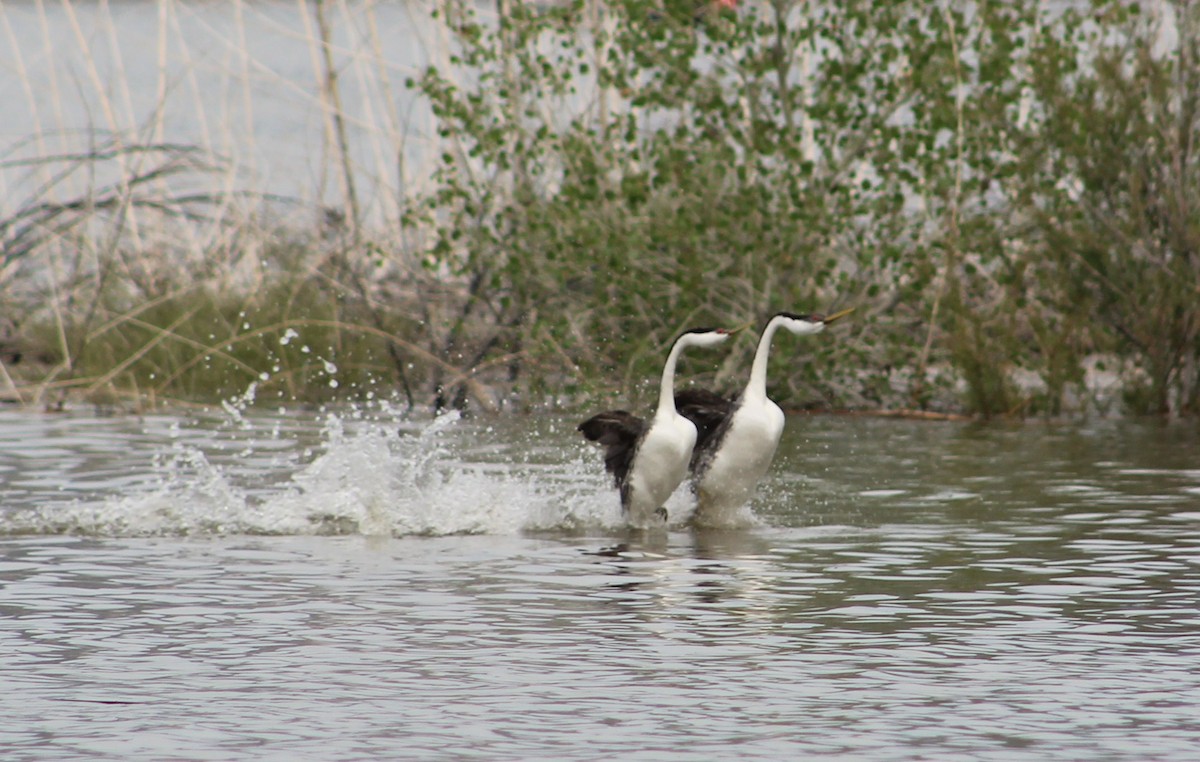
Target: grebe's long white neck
[
  {"x": 699, "y": 337},
  {"x": 756, "y": 387},
  {"x": 666, "y": 390}
]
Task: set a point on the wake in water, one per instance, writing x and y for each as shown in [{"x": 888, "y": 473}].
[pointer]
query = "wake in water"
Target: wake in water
[{"x": 370, "y": 474}]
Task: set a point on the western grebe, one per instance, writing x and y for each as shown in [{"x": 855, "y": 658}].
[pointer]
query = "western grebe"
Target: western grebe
[
  {"x": 737, "y": 436},
  {"x": 648, "y": 459}
]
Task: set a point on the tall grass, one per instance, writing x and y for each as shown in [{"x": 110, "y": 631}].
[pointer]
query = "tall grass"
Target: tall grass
[{"x": 150, "y": 249}]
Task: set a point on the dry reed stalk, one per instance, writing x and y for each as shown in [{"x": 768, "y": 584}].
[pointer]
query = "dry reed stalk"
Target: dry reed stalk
[
  {"x": 184, "y": 53},
  {"x": 120, "y": 74},
  {"x": 158, "y": 128},
  {"x": 26, "y": 81},
  {"x": 56, "y": 95},
  {"x": 239, "y": 9},
  {"x": 334, "y": 114},
  {"x": 394, "y": 135},
  {"x": 949, "y": 263},
  {"x": 114, "y": 124},
  {"x": 366, "y": 123}
]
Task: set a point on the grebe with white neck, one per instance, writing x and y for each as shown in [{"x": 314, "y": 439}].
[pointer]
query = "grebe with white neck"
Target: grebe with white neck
[
  {"x": 649, "y": 459},
  {"x": 737, "y": 436}
]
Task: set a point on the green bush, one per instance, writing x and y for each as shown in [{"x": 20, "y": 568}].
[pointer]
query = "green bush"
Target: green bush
[{"x": 620, "y": 172}]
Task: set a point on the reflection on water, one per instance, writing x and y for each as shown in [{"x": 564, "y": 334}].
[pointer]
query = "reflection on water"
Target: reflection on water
[{"x": 914, "y": 591}]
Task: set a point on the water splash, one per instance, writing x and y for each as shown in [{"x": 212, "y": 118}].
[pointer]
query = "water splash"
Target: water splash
[{"x": 363, "y": 472}]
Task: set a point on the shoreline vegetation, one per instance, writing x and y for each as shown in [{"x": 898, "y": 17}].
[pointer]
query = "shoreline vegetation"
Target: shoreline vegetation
[{"x": 1008, "y": 196}]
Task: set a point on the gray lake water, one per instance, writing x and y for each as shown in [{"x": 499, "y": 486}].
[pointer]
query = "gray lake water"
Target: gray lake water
[{"x": 346, "y": 585}]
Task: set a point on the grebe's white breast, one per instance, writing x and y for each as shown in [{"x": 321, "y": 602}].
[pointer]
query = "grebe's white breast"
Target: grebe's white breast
[
  {"x": 660, "y": 466},
  {"x": 742, "y": 458}
]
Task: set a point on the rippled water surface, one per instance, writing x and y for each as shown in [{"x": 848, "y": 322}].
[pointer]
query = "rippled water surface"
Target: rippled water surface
[{"x": 350, "y": 586}]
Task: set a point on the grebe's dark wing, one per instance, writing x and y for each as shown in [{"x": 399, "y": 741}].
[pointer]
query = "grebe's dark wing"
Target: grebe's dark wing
[
  {"x": 713, "y": 415},
  {"x": 707, "y": 409},
  {"x": 618, "y": 432}
]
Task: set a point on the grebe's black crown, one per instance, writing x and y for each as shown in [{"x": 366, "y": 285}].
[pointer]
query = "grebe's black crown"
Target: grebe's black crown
[
  {"x": 721, "y": 331},
  {"x": 796, "y": 316}
]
